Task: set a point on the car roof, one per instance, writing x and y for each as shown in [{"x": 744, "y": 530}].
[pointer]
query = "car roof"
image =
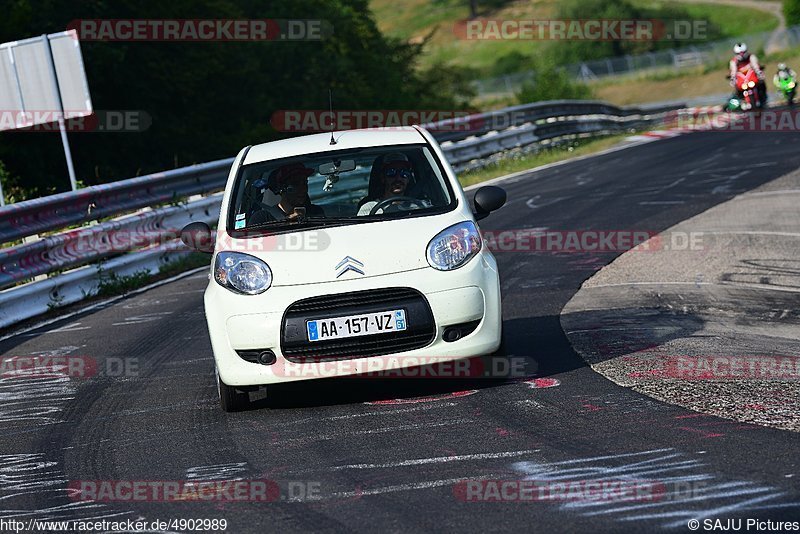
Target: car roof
[{"x": 348, "y": 139}]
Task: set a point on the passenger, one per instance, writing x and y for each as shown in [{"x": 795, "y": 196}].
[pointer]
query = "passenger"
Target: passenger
[{"x": 396, "y": 174}]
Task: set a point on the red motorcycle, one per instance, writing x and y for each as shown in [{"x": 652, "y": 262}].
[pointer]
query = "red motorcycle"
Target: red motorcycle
[{"x": 749, "y": 96}]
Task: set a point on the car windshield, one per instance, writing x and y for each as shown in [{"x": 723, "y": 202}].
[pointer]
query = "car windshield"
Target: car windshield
[{"x": 340, "y": 187}]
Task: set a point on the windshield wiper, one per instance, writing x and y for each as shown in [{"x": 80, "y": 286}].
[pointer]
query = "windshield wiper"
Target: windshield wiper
[{"x": 308, "y": 222}]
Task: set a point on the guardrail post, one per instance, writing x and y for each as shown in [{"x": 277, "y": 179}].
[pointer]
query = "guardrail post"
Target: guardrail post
[{"x": 33, "y": 239}]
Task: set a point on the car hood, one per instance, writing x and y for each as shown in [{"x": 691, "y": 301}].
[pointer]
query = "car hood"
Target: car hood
[{"x": 347, "y": 252}]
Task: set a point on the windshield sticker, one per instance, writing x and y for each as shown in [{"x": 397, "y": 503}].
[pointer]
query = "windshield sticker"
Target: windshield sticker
[{"x": 239, "y": 224}]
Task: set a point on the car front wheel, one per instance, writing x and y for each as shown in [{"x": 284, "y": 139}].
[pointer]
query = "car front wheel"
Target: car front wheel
[{"x": 230, "y": 398}]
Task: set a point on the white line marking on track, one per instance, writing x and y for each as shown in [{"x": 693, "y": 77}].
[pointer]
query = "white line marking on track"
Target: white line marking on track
[
  {"x": 438, "y": 460},
  {"x": 532, "y": 202},
  {"x": 739, "y": 285},
  {"x": 72, "y": 327},
  {"x": 653, "y": 284},
  {"x": 147, "y": 318},
  {"x": 410, "y": 487},
  {"x": 421, "y": 407},
  {"x": 384, "y": 430}
]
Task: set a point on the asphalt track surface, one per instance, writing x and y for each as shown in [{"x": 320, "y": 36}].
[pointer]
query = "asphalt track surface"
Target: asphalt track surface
[{"x": 392, "y": 466}]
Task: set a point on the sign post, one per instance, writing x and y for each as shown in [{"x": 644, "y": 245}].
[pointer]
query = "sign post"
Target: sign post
[
  {"x": 62, "y": 127},
  {"x": 42, "y": 81}
]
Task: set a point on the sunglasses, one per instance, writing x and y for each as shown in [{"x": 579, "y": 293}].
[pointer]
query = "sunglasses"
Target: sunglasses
[{"x": 391, "y": 172}]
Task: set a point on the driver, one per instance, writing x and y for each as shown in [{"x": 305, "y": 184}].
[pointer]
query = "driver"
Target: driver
[
  {"x": 396, "y": 174},
  {"x": 286, "y": 195}
]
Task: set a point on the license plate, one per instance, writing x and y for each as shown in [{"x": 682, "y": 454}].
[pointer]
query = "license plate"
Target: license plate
[{"x": 356, "y": 325}]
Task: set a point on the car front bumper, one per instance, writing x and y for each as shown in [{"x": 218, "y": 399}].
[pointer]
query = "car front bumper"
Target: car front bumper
[{"x": 254, "y": 322}]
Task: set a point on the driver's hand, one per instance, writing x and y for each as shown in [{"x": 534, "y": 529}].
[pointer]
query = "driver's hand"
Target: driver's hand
[{"x": 297, "y": 214}]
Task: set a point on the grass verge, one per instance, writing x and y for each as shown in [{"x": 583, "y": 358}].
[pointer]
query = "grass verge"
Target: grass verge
[
  {"x": 112, "y": 284},
  {"x": 411, "y": 20},
  {"x": 550, "y": 155}
]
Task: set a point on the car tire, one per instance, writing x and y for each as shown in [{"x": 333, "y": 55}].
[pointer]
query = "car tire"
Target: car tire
[
  {"x": 230, "y": 398},
  {"x": 498, "y": 360}
]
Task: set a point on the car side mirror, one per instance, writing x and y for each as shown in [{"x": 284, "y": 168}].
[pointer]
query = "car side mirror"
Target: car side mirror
[
  {"x": 197, "y": 236},
  {"x": 488, "y": 199}
]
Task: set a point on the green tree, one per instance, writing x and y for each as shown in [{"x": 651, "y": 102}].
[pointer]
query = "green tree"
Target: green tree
[
  {"x": 208, "y": 99},
  {"x": 564, "y": 52},
  {"x": 791, "y": 10}
]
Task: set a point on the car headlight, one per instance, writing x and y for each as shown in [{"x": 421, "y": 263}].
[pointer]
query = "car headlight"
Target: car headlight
[
  {"x": 454, "y": 247},
  {"x": 242, "y": 273}
]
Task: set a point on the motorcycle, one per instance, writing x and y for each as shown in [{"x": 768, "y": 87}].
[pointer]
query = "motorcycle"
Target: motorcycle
[
  {"x": 787, "y": 87},
  {"x": 746, "y": 94}
]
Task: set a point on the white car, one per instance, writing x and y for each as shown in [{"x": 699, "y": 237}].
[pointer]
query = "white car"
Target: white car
[{"x": 343, "y": 254}]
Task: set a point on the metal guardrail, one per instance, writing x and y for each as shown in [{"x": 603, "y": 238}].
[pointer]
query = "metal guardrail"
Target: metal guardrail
[
  {"x": 33, "y": 299},
  {"x": 66, "y": 209},
  {"x": 94, "y": 243},
  {"x": 150, "y": 234},
  {"x": 461, "y": 155},
  {"x": 475, "y": 125}
]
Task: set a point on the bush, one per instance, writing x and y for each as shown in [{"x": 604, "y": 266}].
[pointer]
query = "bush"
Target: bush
[
  {"x": 552, "y": 83},
  {"x": 514, "y": 61}
]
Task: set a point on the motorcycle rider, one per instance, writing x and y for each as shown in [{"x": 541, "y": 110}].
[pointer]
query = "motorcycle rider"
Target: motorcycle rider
[
  {"x": 785, "y": 82},
  {"x": 783, "y": 73},
  {"x": 742, "y": 58}
]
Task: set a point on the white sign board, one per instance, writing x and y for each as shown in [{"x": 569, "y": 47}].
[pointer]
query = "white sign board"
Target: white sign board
[
  {"x": 42, "y": 80},
  {"x": 27, "y": 91}
]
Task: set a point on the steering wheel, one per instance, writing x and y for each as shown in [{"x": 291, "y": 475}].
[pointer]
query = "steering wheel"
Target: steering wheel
[{"x": 385, "y": 202}]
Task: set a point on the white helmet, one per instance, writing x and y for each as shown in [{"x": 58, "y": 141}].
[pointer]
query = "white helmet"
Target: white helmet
[
  {"x": 781, "y": 66},
  {"x": 740, "y": 49}
]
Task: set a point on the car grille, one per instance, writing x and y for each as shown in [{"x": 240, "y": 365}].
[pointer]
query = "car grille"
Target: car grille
[{"x": 420, "y": 331}]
